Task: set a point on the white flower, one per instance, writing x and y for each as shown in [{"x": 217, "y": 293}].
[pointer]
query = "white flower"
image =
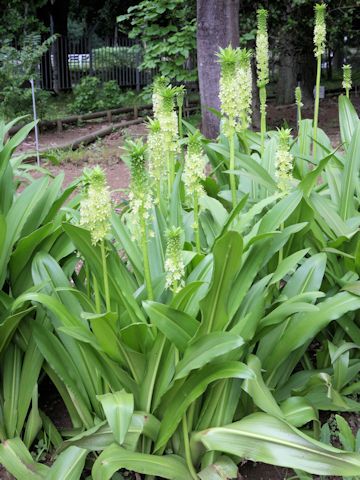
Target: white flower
[
  {"x": 174, "y": 264},
  {"x": 95, "y": 208},
  {"x": 262, "y": 49},
  {"x": 320, "y": 29},
  {"x": 194, "y": 168},
  {"x": 284, "y": 162},
  {"x": 347, "y": 83}
]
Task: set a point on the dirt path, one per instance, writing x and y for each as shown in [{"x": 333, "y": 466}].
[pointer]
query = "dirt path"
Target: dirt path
[{"x": 107, "y": 151}]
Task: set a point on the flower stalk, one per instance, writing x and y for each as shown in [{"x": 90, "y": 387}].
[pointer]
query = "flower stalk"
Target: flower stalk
[
  {"x": 319, "y": 42},
  {"x": 193, "y": 175},
  {"x": 95, "y": 212},
  {"x": 235, "y": 98},
  {"x": 141, "y": 202},
  {"x": 299, "y": 105}
]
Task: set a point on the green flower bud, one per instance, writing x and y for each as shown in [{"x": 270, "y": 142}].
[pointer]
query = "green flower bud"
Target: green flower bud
[
  {"x": 180, "y": 95},
  {"x": 320, "y": 29},
  {"x": 194, "y": 168},
  {"x": 140, "y": 196},
  {"x": 155, "y": 148},
  {"x": 158, "y": 85},
  {"x": 347, "y": 83},
  {"x": 168, "y": 119},
  {"x": 174, "y": 264},
  {"x": 284, "y": 161},
  {"x": 262, "y": 49},
  {"x": 298, "y": 97},
  {"x": 95, "y": 208},
  {"x": 244, "y": 93}
]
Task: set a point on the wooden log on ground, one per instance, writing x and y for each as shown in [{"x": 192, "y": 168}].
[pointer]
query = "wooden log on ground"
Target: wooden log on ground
[{"x": 89, "y": 138}]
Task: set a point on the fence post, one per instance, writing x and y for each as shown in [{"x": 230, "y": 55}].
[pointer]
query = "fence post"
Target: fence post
[{"x": 137, "y": 63}]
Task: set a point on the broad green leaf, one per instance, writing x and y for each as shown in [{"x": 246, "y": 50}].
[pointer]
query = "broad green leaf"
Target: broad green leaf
[
  {"x": 348, "y": 119},
  {"x": 285, "y": 266},
  {"x": 222, "y": 469},
  {"x": 114, "y": 458},
  {"x": 177, "y": 326},
  {"x": 298, "y": 411},
  {"x": 227, "y": 253},
  {"x": 17, "y": 459},
  {"x": 183, "y": 394},
  {"x": 255, "y": 387},
  {"x": 263, "y": 438},
  {"x": 346, "y": 436},
  {"x": 69, "y": 465},
  {"x": 205, "y": 349},
  {"x": 118, "y": 408},
  {"x": 348, "y": 206}
]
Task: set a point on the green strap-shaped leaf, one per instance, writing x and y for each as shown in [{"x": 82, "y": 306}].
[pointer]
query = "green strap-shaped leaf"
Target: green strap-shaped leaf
[
  {"x": 348, "y": 206},
  {"x": 182, "y": 394},
  {"x": 177, "y": 326},
  {"x": 206, "y": 349},
  {"x": 263, "y": 438},
  {"x": 115, "y": 457},
  {"x": 17, "y": 459},
  {"x": 69, "y": 465},
  {"x": 118, "y": 408},
  {"x": 348, "y": 119},
  {"x": 227, "y": 262}
]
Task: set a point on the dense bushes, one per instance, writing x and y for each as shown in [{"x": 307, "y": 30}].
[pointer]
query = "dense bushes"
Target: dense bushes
[{"x": 90, "y": 95}]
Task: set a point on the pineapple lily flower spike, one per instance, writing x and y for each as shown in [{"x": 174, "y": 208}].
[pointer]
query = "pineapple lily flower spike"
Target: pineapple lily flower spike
[
  {"x": 95, "y": 212},
  {"x": 319, "y": 49},
  {"x": 235, "y": 95},
  {"x": 347, "y": 83},
  {"x": 262, "y": 64},
  {"x": 141, "y": 202}
]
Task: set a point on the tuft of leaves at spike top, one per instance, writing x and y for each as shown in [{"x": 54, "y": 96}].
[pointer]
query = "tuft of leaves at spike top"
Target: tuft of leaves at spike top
[
  {"x": 95, "y": 207},
  {"x": 262, "y": 48},
  {"x": 320, "y": 29},
  {"x": 159, "y": 84},
  {"x": 284, "y": 161},
  {"x": 174, "y": 264}
]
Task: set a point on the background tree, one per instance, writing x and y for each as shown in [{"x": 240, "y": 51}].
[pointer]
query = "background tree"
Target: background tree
[
  {"x": 217, "y": 26},
  {"x": 166, "y": 30}
]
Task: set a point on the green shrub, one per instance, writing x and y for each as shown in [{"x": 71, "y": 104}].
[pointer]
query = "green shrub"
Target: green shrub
[
  {"x": 18, "y": 101},
  {"x": 90, "y": 95}
]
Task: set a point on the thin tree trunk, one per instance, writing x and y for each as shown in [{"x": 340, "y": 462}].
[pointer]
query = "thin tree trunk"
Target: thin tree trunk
[{"x": 217, "y": 26}]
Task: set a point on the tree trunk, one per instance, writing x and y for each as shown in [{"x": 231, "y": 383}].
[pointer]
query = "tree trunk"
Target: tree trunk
[
  {"x": 296, "y": 69},
  {"x": 217, "y": 26}
]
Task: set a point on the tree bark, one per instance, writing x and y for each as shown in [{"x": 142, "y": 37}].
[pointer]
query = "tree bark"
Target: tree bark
[
  {"x": 217, "y": 26},
  {"x": 296, "y": 68}
]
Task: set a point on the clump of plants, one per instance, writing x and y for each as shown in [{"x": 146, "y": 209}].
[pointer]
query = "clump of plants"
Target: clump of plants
[
  {"x": 209, "y": 320},
  {"x": 91, "y": 95}
]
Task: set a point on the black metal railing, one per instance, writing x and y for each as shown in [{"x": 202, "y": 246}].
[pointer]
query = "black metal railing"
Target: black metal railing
[{"x": 68, "y": 61}]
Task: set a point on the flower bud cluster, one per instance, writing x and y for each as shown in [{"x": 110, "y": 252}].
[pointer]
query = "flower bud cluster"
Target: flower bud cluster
[
  {"x": 347, "y": 83},
  {"x": 155, "y": 150},
  {"x": 159, "y": 84},
  {"x": 235, "y": 88},
  {"x": 95, "y": 208},
  {"x": 140, "y": 196},
  {"x": 168, "y": 119},
  {"x": 284, "y": 161},
  {"x": 194, "y": 168},
  {"x": 320, "y": 29},
  {"x": 174, "y": 264},
  {"x": 298, "y": 97},
  {"x": 262, "y": 49}
]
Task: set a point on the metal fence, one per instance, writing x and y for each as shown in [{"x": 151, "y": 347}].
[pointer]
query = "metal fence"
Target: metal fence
[{"x": 68, "y": 61}]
